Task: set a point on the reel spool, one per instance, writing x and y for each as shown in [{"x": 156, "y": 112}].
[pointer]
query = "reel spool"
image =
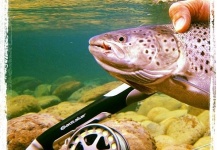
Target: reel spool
[{"x": 97, "y": 137}]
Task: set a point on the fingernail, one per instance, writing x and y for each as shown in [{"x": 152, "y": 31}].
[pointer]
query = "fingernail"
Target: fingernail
[{"x": 179, "y": 24}]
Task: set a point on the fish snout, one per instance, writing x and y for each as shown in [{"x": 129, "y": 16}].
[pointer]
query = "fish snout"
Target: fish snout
[
  {"x": 99, "y": 47},
  {"x": 107, "y": 47}
]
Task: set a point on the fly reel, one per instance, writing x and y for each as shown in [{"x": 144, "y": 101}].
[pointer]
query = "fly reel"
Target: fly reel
[{"x": 96, "y": 137}]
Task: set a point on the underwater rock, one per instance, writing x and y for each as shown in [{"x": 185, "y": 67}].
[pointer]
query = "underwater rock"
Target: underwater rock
[
  {"x": 207, "y": 133},
  {"x": 24, "y": 129},
  {"x": 99, "y": 81},
  {"x": 47, "y": 101},
  {"x": 163, "y": 141},
  {"x": 42, "y": 90},
  {"x": 158, "y": 115},
  {"x": 95, "y": 93},
  {"x": 60, "y": 81},
  {"x": 204, "y": 118},
  {"x": 178, "y": 147},
  {"x": 154, "y": 128},
  {"x": 166, "y": 123},
  {"x": 158, "y": 100},
  {"x": 137, "y": 137},
  {"x": 170, "y": 114},
  {"x": 131, "y": 115},
  {"x": 28, "y": 92},
  {"x": 194, "y": 110},
  {"x": 186, "y": 129},
  {"x": 64, "y": 109},
  {"x": 156, "y": 111},
  {"x": 75, "y": 96},
  {"x": 11, "y": 93},
  {"x": 64, "y": 90},
  {"x": 204, "y": 141},
  {"x": 19, "y": 84},
  {"x": 20, "y": 105}
]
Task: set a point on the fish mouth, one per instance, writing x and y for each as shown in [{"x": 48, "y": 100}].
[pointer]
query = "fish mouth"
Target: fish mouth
[
  {"x": 100, "y": 47},
  {"x": 104, "y": 46},
  {"x": 96, "y": 47}
]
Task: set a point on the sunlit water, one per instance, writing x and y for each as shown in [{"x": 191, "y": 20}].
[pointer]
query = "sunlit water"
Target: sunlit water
[{"x": 49, "y": 39}]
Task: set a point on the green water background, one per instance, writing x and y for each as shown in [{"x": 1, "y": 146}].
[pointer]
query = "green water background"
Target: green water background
[{"x": 49, "y": 39}]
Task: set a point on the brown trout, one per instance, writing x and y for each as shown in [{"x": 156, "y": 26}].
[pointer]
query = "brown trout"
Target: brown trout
[{"x": 157, "y": 59}]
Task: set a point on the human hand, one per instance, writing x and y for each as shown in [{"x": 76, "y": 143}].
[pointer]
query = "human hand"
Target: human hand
[{"x": 182, "y": 13}]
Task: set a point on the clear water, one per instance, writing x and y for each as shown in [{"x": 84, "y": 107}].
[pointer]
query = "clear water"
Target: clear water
[{"x": 49, "y": 39}]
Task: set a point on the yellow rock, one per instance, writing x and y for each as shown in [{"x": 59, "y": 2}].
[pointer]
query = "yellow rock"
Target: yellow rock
[
  {"x": 184, "y": 106},
  {"x": 95, "y": 93},
  {"x": 194, "y": 110},
  {"x": 154, "y": 128},
  {"x": 132, "y": 116},
  {"x": 21, "y": 131},
  {"x": 21, "y": 104},
  {"x": 207, "y": 133},
  {"x": 64, "y": 90},
  {"x": 163, "y": 141},
  {"x": 158, "y": 100},
  {"x": 178, "y": 147},
  {"x": 170, "y": 114},
  {"x": 186, "y": 129},
  {"x": 128, "y": 113},
  {"x": 11, "y": 94},
  {"x": 156, "y": 111},
  {"x": 204, "y": 118},
  {"x": 203, "y": 143},
  {"x": 64, "y": 109},
  {"x": 165, "y": 123},
  {"x": 47, "y": 101}
]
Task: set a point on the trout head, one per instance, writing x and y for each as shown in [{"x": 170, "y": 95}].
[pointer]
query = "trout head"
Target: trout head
[{"x": 139, "y": 55}]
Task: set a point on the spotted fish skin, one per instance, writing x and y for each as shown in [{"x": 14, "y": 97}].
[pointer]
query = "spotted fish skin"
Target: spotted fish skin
[{"x": 156, "y": 58}]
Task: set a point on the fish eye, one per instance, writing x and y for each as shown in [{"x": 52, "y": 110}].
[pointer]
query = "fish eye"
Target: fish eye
[{"x": 121, "y": 39}]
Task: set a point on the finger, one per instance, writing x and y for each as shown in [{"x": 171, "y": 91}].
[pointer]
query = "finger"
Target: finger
[
  {"x": 184, "y": 12},
  {"x": 181, "y": 16},
  {"x": 199, "y": 9}
]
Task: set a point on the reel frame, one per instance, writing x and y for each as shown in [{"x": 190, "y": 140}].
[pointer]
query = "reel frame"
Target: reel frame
[{"x": 97, "y": 137}]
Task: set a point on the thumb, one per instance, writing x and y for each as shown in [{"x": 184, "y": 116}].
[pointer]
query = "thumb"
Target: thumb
[{"x": 183, "y": 13}]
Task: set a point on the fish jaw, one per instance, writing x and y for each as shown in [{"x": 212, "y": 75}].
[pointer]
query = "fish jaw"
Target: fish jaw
[
  {"x": 107, "y": 55},
  {"x": 107, "y": 52},
  {"x": 105, "y": 47},
  {"x": 116, "y": 51}
]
